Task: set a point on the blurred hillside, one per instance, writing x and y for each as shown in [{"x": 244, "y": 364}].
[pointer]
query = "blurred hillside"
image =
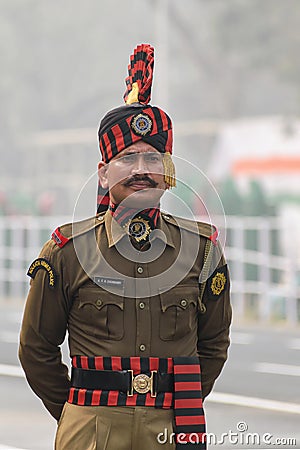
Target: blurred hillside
[{"x": 63, "y": 66}]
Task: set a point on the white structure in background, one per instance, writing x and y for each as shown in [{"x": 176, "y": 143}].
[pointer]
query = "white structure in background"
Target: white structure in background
[
  {"x": 262, "y": 148},
  {"x": 266, "y": 149}
]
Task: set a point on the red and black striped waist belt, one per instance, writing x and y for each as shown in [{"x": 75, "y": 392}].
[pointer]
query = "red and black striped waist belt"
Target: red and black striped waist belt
[
  {"x": 140, "y": 381},
  {"x": 121, "y": 381},
  {"x": 134, "y": 381}
]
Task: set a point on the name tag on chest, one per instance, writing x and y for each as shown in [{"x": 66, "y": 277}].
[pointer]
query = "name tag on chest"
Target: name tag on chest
[{"x": 112, "y": 282}]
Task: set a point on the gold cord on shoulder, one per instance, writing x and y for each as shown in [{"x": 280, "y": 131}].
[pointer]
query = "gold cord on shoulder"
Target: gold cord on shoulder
[{"x": 208, "y": 255}]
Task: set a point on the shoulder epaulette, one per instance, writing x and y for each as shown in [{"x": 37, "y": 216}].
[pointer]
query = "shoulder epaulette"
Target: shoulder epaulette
[
  {"x": 214, "y": 236},
  {"x": 204, "y": 229},
  {"x": 59, "y": 238},
  {"x": 63, "y": 234}
]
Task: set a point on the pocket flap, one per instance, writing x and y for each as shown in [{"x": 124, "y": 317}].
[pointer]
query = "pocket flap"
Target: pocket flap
[
  {"x": 180, "y": 296},
  {"x": 99, "y": 298}
]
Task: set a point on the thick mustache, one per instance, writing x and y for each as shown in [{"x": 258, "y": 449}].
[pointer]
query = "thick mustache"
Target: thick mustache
[{"x": 135, "y": 179}]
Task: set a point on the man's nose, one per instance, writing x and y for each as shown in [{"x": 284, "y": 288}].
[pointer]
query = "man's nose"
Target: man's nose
[{"x": 140, "y": 165}]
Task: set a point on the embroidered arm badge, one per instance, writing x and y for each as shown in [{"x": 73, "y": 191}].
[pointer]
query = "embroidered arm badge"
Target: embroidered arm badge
[
  {"x": 42, "y": 263},
  {"x": 217, "y": 283}
]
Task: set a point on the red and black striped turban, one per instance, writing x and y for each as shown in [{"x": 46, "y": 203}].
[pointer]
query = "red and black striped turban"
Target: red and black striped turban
[
  {"x": 137, "y": 120},
  {"x": 128, "y": 124}
]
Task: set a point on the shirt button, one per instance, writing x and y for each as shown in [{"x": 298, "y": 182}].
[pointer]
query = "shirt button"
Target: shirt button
[
  {"x": 99, "y": 302},
  {"x": 142, "y": 305},
  {"x": 140, "y": 269},
  {"x": 183, "y": 302},
  {"x": 142, "y": 347}
]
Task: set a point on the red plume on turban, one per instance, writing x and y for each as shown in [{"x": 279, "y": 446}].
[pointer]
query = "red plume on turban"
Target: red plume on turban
[{"x": 140, "y": 73}]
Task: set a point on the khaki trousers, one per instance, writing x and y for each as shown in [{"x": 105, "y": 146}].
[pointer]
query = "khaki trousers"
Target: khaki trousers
[{"x": 114, "y": 428}]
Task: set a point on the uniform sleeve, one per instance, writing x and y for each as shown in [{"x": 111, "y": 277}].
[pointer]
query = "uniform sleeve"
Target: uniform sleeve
[
  {"x": 43, "y": 329},
  {"x": 213, "y": 326}
]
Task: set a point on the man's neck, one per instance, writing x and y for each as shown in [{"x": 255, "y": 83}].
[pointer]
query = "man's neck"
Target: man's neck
[{"x": 124, "y": 214}]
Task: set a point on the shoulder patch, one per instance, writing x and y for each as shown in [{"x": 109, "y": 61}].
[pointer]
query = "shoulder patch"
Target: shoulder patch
[
  {"x": 42, "y": 263},
  {"x": 216, "y": 283},
  {"x": 58, "y": 238}
]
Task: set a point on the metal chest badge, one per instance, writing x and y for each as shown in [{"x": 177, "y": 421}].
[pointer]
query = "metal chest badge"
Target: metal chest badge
[
  {"x": 139, "y": 228},
  {"x": 141, "y": 124}
]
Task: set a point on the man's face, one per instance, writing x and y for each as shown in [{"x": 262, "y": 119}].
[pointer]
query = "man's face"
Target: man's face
[{"x": 135, "y": 174}]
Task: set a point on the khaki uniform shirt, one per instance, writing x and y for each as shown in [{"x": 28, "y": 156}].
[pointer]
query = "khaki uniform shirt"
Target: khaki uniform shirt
[{"x": 115, "y": 300}]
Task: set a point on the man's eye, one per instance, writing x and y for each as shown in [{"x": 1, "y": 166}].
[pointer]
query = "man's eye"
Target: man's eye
[
  {"x": 152, "y": 158},
  {"x": 129, "y": 159}
]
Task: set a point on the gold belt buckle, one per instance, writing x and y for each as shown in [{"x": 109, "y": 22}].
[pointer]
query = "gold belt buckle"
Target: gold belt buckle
[{"x": 142, "y": 383}]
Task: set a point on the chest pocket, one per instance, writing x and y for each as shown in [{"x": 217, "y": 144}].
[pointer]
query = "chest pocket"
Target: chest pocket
[
  {"x": 178, "y": 312},
  {"x": 102, "y": 312}
]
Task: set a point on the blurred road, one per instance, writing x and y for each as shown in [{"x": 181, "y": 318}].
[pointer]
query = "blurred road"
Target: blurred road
[{"x": 256, "y": 400}]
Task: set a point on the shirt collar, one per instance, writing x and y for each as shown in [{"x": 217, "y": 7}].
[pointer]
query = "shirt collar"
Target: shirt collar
[{"x": 115, "y": 232}]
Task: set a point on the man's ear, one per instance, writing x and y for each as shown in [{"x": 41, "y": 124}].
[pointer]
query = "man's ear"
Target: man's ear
[{"x": 102, "y": 174}]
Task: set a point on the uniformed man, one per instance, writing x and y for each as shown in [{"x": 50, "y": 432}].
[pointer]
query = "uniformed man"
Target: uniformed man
[{"x": 144, "y": 297}]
